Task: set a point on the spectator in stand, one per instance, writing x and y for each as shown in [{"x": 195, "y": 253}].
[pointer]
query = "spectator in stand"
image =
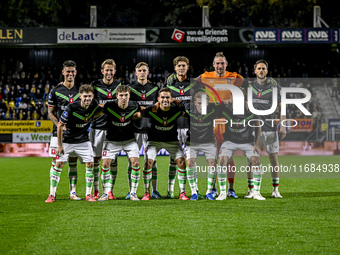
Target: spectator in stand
[
  {"x": 32, "y": 95},
  {"x": 8, "y": 115},
  {"x": 35, "y": 115},
  {"x": 44, "y": 110},
  {"x": 21, "y": 115},
  {"x": 7, "y": 90},
  {"x": 18, "y": 91},
  {"x": 39, "y": 95},
  {"x": 11, "y": 103},
  {"x": 316, "y": 118},
  {"x": 27, "y": 89},
  {"x": 3, "y": 106}
]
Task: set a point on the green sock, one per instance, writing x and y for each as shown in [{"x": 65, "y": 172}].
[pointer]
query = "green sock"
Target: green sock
[
  {"x": 96, "y": 177},
  {"x": 89, "y": 177},
  {"x": 154, "y": 176},
  {"x": 147, "y": 176},
  {"x": 113, "y": 174},
  {"x": 135, "y": 175},
  {"x": 275, "y": 183},
  {"x": 172, "y": 176},
  {"x": 250, "y": 184},
  {"x": 257, "y": 173},
  {"x": 182, "y": 179},
  {"x": 129, "y": 175},
  {"x": 54, "y": 180},
  {"x": 211, "y": 179},
  {"x": 105, "y": 177},
  {"x": 72, "y": 176},
  {"x": 222, "y": 177},
  {"x": 52, "y": 168},
  {"x": 191, "y": 178}
]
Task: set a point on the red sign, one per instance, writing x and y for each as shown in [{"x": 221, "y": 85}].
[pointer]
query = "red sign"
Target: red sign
[{"x": 178, "y": 35}]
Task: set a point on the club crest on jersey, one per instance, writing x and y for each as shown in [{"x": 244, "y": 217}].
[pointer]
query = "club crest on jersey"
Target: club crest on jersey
[
  {"x": 70, "y": 99},
  {"x": 259, "y": 94},
  {"x": 122, "y": 118},
  {"x": 104, "y": 153},
  {"x": 200, "y": 119},
  {"x": 143, "y": 94},
  {"x": 53, "y": 151},
  {"x": 181, "y": 90},
  {"x": 109, "y": 94},
  {"x": 86, "y": 119},
  {"x": 165, "y": 123}
]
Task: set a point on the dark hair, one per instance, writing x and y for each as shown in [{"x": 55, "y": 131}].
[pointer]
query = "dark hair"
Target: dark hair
[
  {"x": 165, "y": 89},
  {"x": 123, "y": 88},
  {"x": 85, "y": 88},
  {"x": 69, "y": 63}
]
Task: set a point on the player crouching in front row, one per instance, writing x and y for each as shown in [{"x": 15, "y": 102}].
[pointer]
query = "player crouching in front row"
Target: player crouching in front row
[
  {"x": 73, "y": 140},
  {"x": 238, "y": 136},
  {"x": 120, "y": 136}
]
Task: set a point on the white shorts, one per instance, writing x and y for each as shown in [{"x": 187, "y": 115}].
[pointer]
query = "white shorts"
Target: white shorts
[
  {"x": 82, "y": 150},
  {"x": 182, "y": 135},
  {"x": 228, "y": 148},
  {"x": 111, "y": 149},
  {"x": 174, "y": 148},
  {"x": 209, "y": 150},
  {"x": 142, "y": 140},
  {"x": 270, "y": 141},
  {"x": 53, "y": 147},
  {"x": 97, "y": 138}
]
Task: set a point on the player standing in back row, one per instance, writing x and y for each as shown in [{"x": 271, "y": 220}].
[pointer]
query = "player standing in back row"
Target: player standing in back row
[
  {"x": 217, "y": 80},
  {"x": 181, "y": 89},
  {"x": 262, "y": 88},
  {"x": 104, "y": 91},
  {"x": 62, "y": 95},
  {"x": 145, "y": 94}
]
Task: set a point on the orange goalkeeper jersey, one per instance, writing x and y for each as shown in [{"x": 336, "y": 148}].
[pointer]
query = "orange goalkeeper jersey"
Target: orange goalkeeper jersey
[{"x": 218, "y": 83}]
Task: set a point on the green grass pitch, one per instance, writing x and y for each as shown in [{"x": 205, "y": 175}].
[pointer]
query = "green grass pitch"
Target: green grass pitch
[{"x": 305, "y": 221}]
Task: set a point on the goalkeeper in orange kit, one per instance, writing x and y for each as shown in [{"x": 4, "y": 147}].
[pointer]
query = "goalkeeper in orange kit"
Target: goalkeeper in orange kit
[{"x": 215, "y": 82}]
